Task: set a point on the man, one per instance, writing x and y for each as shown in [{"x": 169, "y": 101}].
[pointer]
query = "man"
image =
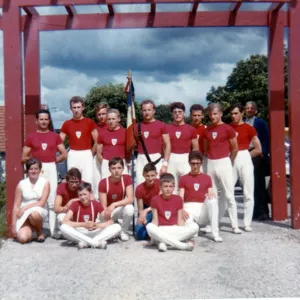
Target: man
[
  {"x": 243, "y": 166},
  {"x": 197, "y": 115},
  {"x": 221, "y": 148},
  {"x": 80, "y": 132},
  {"x": 168, "y": 227},
  {"x": 183, "y": 139},
  {"x": 152, "y": 140},
  {"x": 43, "y": 145},
  {"x": 260, "y": 162},
  {"x": 200, "y": 202}
]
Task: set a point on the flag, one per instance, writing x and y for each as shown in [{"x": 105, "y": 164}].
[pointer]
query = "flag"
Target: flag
[{"x": 131, "y": 120}]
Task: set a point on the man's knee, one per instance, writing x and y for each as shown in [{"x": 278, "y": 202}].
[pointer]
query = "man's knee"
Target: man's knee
[{"x": 129, "y": 210}]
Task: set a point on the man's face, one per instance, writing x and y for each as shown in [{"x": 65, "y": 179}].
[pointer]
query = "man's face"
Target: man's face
[
  {"x": 77, "y": 109},
  {"x": 167, "y": 188},
  {"x": 73, "y": 183},
  {"x": 113, "y": 120},
  {"x": 178, "y": 115},
  {"x": 84, "y": 197},
  {"x": 250, "y": 110},
  {"x": 101, "y": 115},
  {"x": 236, "y": 115},
  {"x": 116, "y": 170},
  {"x": 195, "y": 165},
  {"x": 150, "y": 177},
  {"x": 148, "y": 112},
  {"x": 215, "y": 115},
  {"x": 197, "y": 117},
  {"x": 43, "y": 121}
]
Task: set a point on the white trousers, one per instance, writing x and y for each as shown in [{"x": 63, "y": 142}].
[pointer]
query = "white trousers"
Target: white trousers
[
  {"x": 49, "y": 171},
  {"x": 243, "y": 169},
  {"x": 92, "y": 238},
  {"x": 204, "y": 213},
  {"x": 83, "y": 161},
  {"x": 178, "y": 166},
  {"x": 60, "y": 218},
  {"x": 141, "y": 161},
  {"x": 105, "y": 169},
  {"x": 96, "y": 176},
  {"x": 220, "y": 171},
  {"x": 173, "y": 235}
]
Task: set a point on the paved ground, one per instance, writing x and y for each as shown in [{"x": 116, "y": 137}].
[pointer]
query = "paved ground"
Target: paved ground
[{"x": 263, "y": 263}]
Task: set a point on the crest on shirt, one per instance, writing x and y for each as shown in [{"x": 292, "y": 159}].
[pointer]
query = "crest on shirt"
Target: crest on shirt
[
  {"x": 78, "y": 134},
  {"x": 146, "y": 134},
  {"x": 196, "y": 186},
  {"x": 214, "y": 135},
  {"x": 114, "y": 141},
  {"x": 198, "y": 136},
  {"x": 167, "y": 214},
  {"x": 114, "y": 196},
  {"x": 86, "y": 218},
  {"x": 44, "y": 146},
  {"x": 178, "y": 134},
  {"x": 236, "y": 134}
]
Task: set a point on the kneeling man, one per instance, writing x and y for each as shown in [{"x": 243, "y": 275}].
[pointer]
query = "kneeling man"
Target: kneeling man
[
  {"x": 168, "y": 227},
  {"x": 200, "y": 203}
]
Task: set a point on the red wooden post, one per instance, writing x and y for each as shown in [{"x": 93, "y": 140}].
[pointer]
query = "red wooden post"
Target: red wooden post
[
  {"x": 32, "y": 72},
  {"x": 276, "y": 115},
  {"x": 13, "y": 102},
  {"x": 294, "y": 109}
]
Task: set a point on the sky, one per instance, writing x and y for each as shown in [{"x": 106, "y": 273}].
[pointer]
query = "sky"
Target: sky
[{"x": 168, "y": 64}]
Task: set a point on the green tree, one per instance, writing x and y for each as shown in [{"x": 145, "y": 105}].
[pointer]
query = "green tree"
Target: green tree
[
  {"x": 114, "y": 95},
  {"x": 163, "y": 113}
]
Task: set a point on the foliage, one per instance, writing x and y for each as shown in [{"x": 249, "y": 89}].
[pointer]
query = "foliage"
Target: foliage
[
  {"x": 114, "y": 95},
  {"x": 2, "y": 210},
  {"x": 163, "y": 113}
]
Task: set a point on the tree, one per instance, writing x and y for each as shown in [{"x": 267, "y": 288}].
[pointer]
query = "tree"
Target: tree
[
  {"x": 163, "y": 113},
  {"x": 114, "y": 95}
]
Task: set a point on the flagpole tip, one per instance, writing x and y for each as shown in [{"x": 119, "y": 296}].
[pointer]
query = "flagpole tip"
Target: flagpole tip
[{"x": 129, "y": 74}]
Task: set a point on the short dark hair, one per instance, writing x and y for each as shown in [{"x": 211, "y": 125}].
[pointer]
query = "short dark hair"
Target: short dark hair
[
  {"x": 196, "y": 107},
  {"x": 43, "y": 111},
  {"x": 101, "y": 105},
  {"x": 84, "y": 186},
  {"x": 32, "y": 161},
  {"x": 195, "y": 155},
  {"x": 239, "y": 106},
  {"x": 166, "y": 177},
  {"x": 149, "y": 167},
  {"x": 115, "y": 160},
  {"x": 148, "y": 101},
  {"x": 73, "y": 172},
  {"x": 178, "y": 105},
  {"x": 76, "y": 99}
]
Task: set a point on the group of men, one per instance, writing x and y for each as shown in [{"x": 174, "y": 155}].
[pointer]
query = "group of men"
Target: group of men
[{"x": 197, "y": 167}]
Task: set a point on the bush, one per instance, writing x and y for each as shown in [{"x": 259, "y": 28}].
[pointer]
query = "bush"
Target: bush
[
  {"x": 2, "y": 195},
  {"x": 3, "y": 229}
]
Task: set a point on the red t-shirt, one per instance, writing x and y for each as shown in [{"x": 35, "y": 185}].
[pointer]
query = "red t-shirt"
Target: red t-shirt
[
  {"x": 195, "y": 187},
  {"x": 146, "y": 192},
  {"x": 181, "y": 137},
  {"x": 43, "y": 145},
  {"x": 116, "y": 190},
  {"x": 218, "y": 137},
  {"x": 167, "y": 210},
  {"x": 101, "y": 128},
  {"x": 152, "y": 134},
  {"x": 65, "y": 193},
  {"x": 86, "y": 213},
  {"x": 200, "y": 135},
  {"x": 244, "y": 134},
  {"x": 114, "y": 143},
  {"x": 79, "y": 133}
]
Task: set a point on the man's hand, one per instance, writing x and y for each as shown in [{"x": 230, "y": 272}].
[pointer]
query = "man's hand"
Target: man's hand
[
  {"x": 108, "y": 211},
  {"x": 185, "y": 215},
  {"x": 90, "y": 225},
  {"x": 142, "y": 217},
  {"x": 100, "y": 158},
  {"x": 65, "y": 209},
  {"x": 211, "y": 195},
  {"x": 163, "y": 170}
]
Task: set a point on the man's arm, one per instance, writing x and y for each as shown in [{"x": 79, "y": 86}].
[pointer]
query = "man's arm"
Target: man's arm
[
  {"x": 257, "y": 147},
  {"x": 185, "y": 214},
  {"x": 154, "y": 216},
  {"x": 205, "y": 146},
  {"x": 95, "y": 138},
  {"x": 195, "y": 144},
  {"x": 128, "y": 198},
  {"x": 62, "y": 136},
  {"x": 167, "y": 146},
  {"x": 180, "y": 221},
  {"x": 58, "y": 208},
  {"x": 234, "y": 148},
  {"x": 63, "y": 153},
  {"x": 68, "y": 220},
  {"x": 99, "y": 153},
  {"x": 103, "y": 199},
  {"x": 26, "y": 154}
]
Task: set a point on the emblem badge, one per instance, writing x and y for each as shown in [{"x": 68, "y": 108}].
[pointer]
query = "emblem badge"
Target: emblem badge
[
  {"x": 196, "y": 186},
  {"x": 214, "y": 135},
  {"x": 78, "y": 134},
  {"x": 167, "y": 214},
  {"x": 146, "y": 134},
  {"x": 114, "y": 141},
  {"x": 178, "y": 134},
  {"x": 114, "y": 196},
  {"x": 86, "y": 218},
  {"x": 44, "y": 146}
]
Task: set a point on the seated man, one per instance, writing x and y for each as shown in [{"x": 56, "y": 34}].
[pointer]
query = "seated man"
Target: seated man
[
  {"x": 80, "y": 224},
  {"x": 200, "y": 203},
  {"x": 168, "y": 227},
  {"x": 116, "y": 195},
  {"x": 144, "y": 193}
]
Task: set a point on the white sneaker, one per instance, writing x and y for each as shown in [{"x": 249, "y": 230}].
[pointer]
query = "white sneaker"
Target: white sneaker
[
  {"x": 82, "y": 245},
  {"x": 218, "y": 239},
  {"x": 162, "y": 247},
  {"x": 248, "y": 228},
  {"x": 236, "y": 230},
  {"x": 124, "y": 237},
  {"x": 102, "y": 245},
  {"x": 206, "y": 229}
]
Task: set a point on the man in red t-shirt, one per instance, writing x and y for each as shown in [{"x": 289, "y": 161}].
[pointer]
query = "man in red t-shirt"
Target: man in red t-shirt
[
  {"x": 80, "y": 223},
  {"x": 80, "y": 132},
  {"x": 168, "y": 227},
  {"x": 101, "y": 110},
  {"x": 221, "y": 148},
  {"x": 112, "y": 143},
  {"x": 243, "y": 166},
  {"x": 156, "y": 140},
  {"x": 144, "y": 193},
  {"x": 200, "y": 202},
  {"x": 183, "y": 139},
  {"x": 43, "y": 145},
  {"x": 116, "y": 196}
]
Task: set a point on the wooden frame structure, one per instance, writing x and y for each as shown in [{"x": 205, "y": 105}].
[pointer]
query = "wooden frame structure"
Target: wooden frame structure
[{"x": 13, "y": 23}]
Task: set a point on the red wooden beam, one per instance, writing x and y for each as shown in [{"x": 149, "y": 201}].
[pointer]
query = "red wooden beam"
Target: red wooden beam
[
  {"x": 14, "y": 130},
  {"x": 275, "y": 6},
  {"x": 277, "y": 117},
  {"x": 32, "y": 73},
  {"x": 233, "y": 13},
  {"x": 71, "y": 10},
  {"x": 294, "y": 109},
  {"x": 30, "y": 11},
  {"x": 110, "y": 9},
  {"x": 234, "y": 7},
  {"x": 193, "y": 14}
]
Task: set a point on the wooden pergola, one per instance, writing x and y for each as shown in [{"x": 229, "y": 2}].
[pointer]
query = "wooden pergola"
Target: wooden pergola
[{"x": 13, "y": 23}]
